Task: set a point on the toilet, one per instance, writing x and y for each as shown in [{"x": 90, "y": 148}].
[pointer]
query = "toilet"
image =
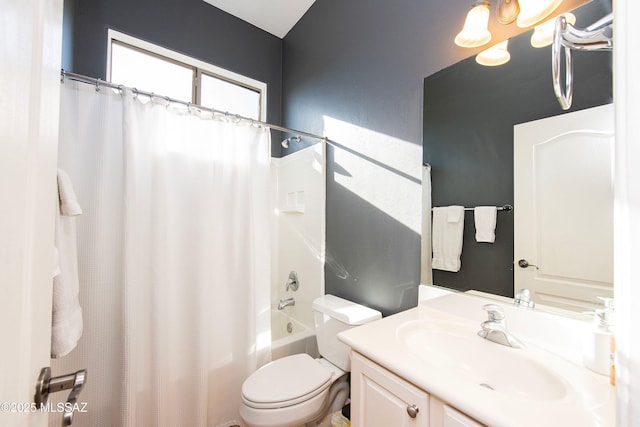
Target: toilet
[{"x": 298, "y": 390}]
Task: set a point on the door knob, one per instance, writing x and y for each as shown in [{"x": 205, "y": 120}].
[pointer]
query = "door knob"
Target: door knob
[
  {"x": 47, "y": 385},
  {"x": 413, "y": 410},
  {"x": 524, "y": 264}
]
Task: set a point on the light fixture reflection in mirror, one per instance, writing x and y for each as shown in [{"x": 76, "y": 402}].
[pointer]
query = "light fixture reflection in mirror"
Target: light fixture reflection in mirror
[
  {"x": 495, "y": 55},
  {"x": 468, "y": 116},
  {"x": 543, "y": 34},
  {"x": 475, "y": 31},
  {"x": 534, "y": 11}
]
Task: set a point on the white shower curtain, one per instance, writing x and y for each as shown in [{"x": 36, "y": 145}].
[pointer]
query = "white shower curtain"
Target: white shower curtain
[{"x": 176, "y": 238}]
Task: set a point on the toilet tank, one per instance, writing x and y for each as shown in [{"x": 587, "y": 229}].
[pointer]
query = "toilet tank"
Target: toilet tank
[{"x": 333, "y": 315}]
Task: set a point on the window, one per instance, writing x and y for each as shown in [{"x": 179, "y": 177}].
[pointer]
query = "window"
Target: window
[{"x": 145, "y": 66}]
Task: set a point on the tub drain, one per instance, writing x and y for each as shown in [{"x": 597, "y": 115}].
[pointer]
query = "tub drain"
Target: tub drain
[{"x": 289, "y": 327}]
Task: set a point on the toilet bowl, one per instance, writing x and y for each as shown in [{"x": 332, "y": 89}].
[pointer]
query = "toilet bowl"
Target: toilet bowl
[
  {"x": 298, "y": 390},
  {"x": 293, "y": 391}
]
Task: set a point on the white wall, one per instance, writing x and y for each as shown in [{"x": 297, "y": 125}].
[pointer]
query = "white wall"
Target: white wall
[{"x": 299, "y": 228}]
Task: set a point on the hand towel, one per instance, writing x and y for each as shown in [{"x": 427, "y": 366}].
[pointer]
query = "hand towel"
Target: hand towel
[
  {"x": 447, "y": 237},
  {"x": 68, "y": 202},
  {"x": 455, "y": 213},
  {"x": 485, "y": 220},
  {"x": 66, "y": 316}
]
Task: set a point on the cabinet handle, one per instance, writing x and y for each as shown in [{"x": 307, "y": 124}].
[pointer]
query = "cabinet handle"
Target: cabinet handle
[{"x": 413, "y": 410}]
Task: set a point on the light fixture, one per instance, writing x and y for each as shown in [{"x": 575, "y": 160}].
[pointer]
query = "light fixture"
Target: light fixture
[
  {"x": 495, "y": 55},
  {"x": 507, "y": 11},
  {"x": 543, "y": 34},
  {"x": 475, "y": 31},
  {"x": 534, "y": 11}
]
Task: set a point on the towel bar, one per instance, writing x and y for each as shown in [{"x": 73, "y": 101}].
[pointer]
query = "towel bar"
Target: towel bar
[{"x": 506, "y": 208}]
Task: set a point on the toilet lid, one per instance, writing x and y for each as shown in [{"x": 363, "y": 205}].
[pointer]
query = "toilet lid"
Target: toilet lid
[{"x": 284, "y": 381}]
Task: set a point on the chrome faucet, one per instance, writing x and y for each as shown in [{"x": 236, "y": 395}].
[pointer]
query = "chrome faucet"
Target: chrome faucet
[
  {"x": 495, "y": 329},
  {"x": 285, "y": 303},
  {"x": 522, "y": 298}
]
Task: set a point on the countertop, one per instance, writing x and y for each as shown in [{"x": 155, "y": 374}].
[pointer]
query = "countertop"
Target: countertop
[{"x": 589, "y": 399}]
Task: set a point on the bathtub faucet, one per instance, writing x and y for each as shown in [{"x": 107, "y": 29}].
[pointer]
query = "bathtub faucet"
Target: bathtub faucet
[{"x": 285, "y": 303}]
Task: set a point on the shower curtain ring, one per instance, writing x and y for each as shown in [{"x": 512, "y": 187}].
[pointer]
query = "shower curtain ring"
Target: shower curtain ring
[
  {"x": 135, "y": 92},
  {"x": 98, "y": 85},
  {"x": 121, "y": 89}
]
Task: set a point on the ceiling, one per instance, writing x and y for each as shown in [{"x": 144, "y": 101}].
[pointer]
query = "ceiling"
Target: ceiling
[{"x": 274, "y": 16}]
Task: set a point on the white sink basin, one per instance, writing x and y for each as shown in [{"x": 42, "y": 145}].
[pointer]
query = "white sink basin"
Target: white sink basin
[
  {"x": 470, "y": 358},
  {"x": 435, "y": 347}
]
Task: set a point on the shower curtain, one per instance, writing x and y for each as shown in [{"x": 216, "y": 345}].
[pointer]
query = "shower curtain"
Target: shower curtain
[{"x": 174, "y": 258}]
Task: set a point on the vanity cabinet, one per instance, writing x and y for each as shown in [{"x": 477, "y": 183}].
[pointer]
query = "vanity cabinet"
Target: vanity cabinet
[{"x": 380, "y": 398}]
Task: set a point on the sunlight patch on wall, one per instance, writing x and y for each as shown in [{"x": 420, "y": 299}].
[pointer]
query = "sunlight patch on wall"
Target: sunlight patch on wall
[{"x": 383, "y": 170}]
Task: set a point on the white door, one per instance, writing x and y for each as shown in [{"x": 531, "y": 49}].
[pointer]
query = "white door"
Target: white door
[
  {"x": 30, "y": 45},
  {"x": 563, "y": 197}
]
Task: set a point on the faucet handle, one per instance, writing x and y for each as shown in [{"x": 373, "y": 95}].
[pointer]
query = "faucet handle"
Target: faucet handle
[
  {"x": 292, "y": 282},
  {"x": 494, "y": 311}
]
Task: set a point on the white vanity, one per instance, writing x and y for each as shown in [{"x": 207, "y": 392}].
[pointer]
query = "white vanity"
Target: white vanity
[{"x": 428, "y": 367}]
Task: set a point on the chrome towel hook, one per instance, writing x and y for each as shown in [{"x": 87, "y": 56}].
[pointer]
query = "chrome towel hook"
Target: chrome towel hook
[
  {"x": 565, "y": 97},
  {"x": 598, "y": 36}
]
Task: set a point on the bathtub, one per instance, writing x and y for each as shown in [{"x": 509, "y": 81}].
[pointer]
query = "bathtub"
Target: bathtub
[{"x": 289, "y": 336}]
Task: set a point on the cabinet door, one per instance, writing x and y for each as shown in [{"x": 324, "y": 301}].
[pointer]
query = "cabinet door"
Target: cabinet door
[
  {"x": 381, "y": 399},
  {"x": 455, "y": 418}
]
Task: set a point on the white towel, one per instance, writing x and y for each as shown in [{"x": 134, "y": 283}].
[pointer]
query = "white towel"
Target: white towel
[
  {"x": 485, "y": 219},
  {"x": 448, "y": 228},
  {"x": 68, "y": 202},
  {"x": 66, "y": 316}
]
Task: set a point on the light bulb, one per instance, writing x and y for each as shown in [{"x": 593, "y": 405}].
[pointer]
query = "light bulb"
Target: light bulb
[
  {"x": 495, "y": 55},
  {"x": 543, "y": 34},
  {"x": 534, "y": 11},
  {"x": 475, "y": 31}
]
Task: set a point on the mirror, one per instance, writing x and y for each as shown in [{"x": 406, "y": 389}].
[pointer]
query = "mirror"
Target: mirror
[{"x": 468, "y": 125}]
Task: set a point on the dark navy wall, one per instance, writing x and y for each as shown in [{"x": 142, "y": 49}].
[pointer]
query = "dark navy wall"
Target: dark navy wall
[
  {"x": 363, "y": 62},
  {"x": 191, "y": 27},
  {"x": 67, "y": 34},
  {"x": 469, "y": 114}
]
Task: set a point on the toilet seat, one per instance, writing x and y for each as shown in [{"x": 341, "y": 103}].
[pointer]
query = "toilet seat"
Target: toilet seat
[{"x": 286, "y": 382}]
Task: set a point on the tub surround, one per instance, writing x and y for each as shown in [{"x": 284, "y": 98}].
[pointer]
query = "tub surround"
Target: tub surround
[
  {"x": 298, "y": 224},
  {"x": 548, "y": 384}
]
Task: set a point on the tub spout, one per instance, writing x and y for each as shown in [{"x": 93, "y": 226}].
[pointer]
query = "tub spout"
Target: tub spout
[{"x": 285, "y": 303}]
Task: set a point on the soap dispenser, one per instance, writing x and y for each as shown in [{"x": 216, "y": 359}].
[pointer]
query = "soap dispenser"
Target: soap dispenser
[{"x": 597, "y": 347}]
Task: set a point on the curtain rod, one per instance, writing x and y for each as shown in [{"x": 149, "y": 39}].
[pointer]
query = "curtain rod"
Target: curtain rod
[{"x": 99, "y": 82}]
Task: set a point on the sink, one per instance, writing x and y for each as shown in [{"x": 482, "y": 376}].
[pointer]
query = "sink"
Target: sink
[
  {"x": 435, "y": 347},
  {"x": 456, "y": 347}
]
